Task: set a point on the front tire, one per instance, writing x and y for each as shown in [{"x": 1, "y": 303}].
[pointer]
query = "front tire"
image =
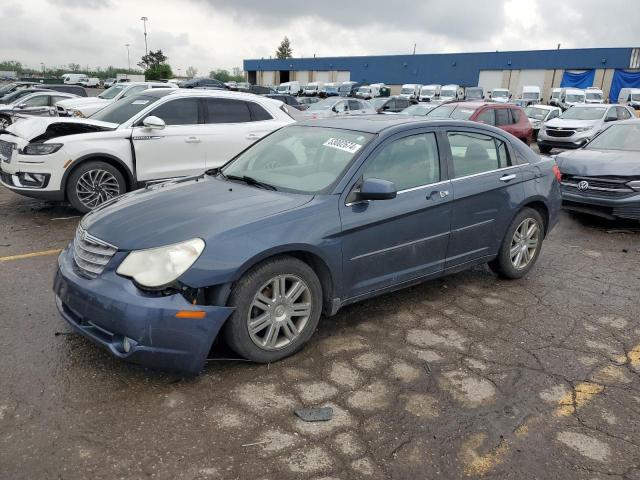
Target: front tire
[
  {"x": 4, "y": 122},
  {"x": 277, "y": 308},
  {"x": 92, "y": 184},
  {"x": 544, "y": 148},
  {"x": 521, "y": 246}
]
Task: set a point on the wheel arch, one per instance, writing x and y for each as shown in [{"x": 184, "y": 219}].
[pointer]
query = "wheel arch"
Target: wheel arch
[
  {"x": 102, "y": 157},
  {"x": 307, "y": 255},
  {"x": 541, "y": 207}
]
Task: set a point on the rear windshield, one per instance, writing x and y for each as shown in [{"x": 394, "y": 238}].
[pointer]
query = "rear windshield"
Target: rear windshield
[
  {"x": 594, "y": 96},
  {"x": 575, "y": 98},
  {"x": 536, "y": 113},
  {"x": 112, "y": 92},
  {"x": 499, "y": 93}
]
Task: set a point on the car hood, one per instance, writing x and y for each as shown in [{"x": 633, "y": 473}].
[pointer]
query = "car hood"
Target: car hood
[
  {"x": 83, "y": 102},
  {"x": 202, "y": 207},
  {"x": 594, "y": 163},
  {"x": 29, "y": 128},
  {"x": 566, "y": 123}
]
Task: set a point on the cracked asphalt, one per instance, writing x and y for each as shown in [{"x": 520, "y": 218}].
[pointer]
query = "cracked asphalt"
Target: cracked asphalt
[{"x": 465, "y": 377}]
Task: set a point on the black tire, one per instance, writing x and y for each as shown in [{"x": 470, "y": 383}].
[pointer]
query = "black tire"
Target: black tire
[
  {"x": 236, "y": 329},
  {"x": 544, "y": 148},
  {"x": 502, "y": 265},
  {"x": 74, "y": 178},
  {"x": 5, "y": 121}
]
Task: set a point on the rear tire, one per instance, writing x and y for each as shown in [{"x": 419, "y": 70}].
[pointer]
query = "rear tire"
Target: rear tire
[
  {"x": 277, "y": 308},
  {"x": 521, "y": 245},
  {"x": 92, "y": 184},
  {"x": 544, "y": 148}
]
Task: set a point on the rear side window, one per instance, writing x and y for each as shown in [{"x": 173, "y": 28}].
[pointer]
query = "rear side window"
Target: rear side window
[
  {"x": 516, "y": 115},
  {"x": 487, "y": 116},
  {"x": 38, "y": 101},
  {"x": 623, "y": 113},
  {"x": 223, "y": 110},
  {"x": 407, "y": 162},
  {"x": 354, "y": 105},
  {"x": 503, "y": 117},
  {"x": 474, "y": 153},
  {"x": 258, "y": 113},
  {"x": 183, "y": 111}
]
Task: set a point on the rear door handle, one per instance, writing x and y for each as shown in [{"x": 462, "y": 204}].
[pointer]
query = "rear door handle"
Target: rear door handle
[
  {"x": 507, "y": 178},
  {"x": 192, "y": 140}
]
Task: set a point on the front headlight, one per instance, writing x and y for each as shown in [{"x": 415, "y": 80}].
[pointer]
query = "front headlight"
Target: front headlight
[
  {"x": 77, "y": 113},
  {"x": 41, "y": 148},
  {"x": 157, "y": 267},
  {"x": 584, "y": 129}
]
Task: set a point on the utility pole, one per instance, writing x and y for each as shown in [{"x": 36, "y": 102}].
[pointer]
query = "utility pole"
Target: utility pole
[
  {"x": 144, "y": 23},
  {"x": 414, "y": 48},
  {"x": 128, "y": 57},
  {"x": 42, "y": 65}
]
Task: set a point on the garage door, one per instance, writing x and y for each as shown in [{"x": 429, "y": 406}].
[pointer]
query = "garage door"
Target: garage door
[
  {"x": 490, "y": 79},
  {"x": 342, "y": 76},
  {"x": 322, "y": 77},
  {"x": 268, "y": 78},
  {"x": 528, "y": 77}
]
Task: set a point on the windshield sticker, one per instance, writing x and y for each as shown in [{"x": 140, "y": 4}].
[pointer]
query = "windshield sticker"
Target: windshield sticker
[
  {"x": 140, "y": 102},
  {"x": 344, "y": 145}
]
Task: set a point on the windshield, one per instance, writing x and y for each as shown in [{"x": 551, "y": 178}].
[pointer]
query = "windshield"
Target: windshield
[
  {"x": 474, "y": 93},
  {"x": 555, "y": 94},
  {"x": 407, "y": 90},
  {"x": 322, "y": 105},
  {"x": 448, "y": 93},
  {"x": 594, "y": 96},
  {"x": 575, "y": 98},
  {"x": 499, "y": 94},
  {"x": 7, "y": 88},
  {"x": 112, "y": 92},
  {"x": 536, "y": 113},
  {"x": 345, "y": 88},
  {"x": 443, "y": 111},
  {"x": 583, "y": 113},
  {"x": 364, "y": 90},
  {"x": 311, "y": 87},
  {"x": 530, "y": 95},
  {"x": 416, "y": 110},
  {"x": 430, "y": 92},
  {"x": 125, "y": 108},
  {"x": 331, "y": 89},
  {"x": 283, "y": 88},
  {"x": 618, "y": 137},
  {"x": 299, "y": 159}
]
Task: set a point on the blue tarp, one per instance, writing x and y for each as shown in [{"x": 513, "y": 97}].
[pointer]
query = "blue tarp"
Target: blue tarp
[
  {"x": 622, "y": 79},
  {"x": 578, "y": 80}
]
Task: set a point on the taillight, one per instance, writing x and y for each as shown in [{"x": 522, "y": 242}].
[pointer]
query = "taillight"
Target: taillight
[{"x": 557, "y": 173}]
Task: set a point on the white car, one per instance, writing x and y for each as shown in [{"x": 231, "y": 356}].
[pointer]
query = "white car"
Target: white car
[
  {"x": 336, "y": 106},
  {"x": 87, "y": 106},
  {"x": 539, "y": 114},
  {"x": 157, "y": 135},
  {"x": 91, "y": 82}
]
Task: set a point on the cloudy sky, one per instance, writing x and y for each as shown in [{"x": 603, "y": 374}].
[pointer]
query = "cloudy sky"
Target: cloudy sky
[{"x": 211, "y": 34}]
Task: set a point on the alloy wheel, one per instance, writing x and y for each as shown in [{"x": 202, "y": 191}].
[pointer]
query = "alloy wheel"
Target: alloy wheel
[
  {"x": 279, "y": 312},
  {"x": 4, "y": 123},
  {"x": 524, "y": 243},
  {"x": 95, "y": 187}
]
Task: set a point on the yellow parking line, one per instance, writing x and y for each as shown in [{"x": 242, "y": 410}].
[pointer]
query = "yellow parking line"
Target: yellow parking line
[{"x": 30, "y": 255}]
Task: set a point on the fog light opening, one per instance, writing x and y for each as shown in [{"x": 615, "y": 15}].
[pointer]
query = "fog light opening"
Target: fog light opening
[{"x": 126, "y": 345}]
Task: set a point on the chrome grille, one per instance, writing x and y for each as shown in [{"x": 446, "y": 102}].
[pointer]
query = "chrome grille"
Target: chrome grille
[
  {"x": 91, "y": 254},
  {"x": 6, "y": 151},
  {"x": 598, "y": 186},
  {"x": 557, "y": 132}
]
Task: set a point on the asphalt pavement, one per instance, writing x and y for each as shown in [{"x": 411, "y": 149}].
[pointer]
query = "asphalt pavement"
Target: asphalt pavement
[{"x": 469, "y": 376}]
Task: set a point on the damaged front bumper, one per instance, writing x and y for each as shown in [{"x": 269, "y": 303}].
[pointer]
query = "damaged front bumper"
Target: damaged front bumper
[{"x": 133, "y": 325}]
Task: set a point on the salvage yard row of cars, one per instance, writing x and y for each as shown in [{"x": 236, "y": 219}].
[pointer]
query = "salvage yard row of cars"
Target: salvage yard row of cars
[{"x": 284, "y": 215}]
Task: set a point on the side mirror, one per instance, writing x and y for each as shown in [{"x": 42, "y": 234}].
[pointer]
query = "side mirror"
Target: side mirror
[
  {"x": 611, "y": 119},
  {"x": 21, "y": 106},
  {"x": 154, "y": 123},
  {"x": 377, "y": 189}
]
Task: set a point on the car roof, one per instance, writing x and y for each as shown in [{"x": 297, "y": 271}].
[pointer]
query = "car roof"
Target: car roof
[
  {"x": 544, "y": 107},
  {"x": 475, "y": 104},
  {"x": 187, "y": 92},
  {"x": 379, "y": 123},
  {"x": 594, "y": 105}
]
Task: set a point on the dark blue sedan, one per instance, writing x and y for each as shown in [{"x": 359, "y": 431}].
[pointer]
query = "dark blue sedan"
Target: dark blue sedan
[{"x": 314, "y": 217}]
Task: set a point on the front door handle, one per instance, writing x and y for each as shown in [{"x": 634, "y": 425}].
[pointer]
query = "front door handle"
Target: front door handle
[
  {"x": 192, "y": 140},
  {"x": 438, "y": 194},
  {"x": 507, "y": 178}
]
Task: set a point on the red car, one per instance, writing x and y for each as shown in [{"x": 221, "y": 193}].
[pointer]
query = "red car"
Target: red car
[{"x": 507, "y": 117}]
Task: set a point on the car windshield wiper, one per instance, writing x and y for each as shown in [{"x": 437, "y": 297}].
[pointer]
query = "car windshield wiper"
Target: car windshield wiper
[{"x": 251, "y": 181}]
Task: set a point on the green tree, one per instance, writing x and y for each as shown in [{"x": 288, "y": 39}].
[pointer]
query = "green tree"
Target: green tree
[
  {"x": 74, "y": 67},
  {"x": 11, "y": 66},
  {"x": 220, "y": 74},
  {"x": 161, "y": 71},
  {"x": 191, "y": 72},
  {"x": 153, "y": 59},
  {"x": 284, "y": 50}
]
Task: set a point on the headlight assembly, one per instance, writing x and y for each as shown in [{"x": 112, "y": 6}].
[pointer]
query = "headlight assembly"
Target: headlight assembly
[
  {"x": 157, "y": 267},
  {"x": 77, "y": 113},
  {"x": 41, "y": 148},
  {"x": 584, "y": 129}
]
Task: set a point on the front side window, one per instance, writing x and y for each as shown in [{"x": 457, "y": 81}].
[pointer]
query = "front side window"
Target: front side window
[
  {"x": 487, "y": 116},
  {"x": 111, "y": 92},
  {"x": 340, "y": 107},
  {"x": 223, "y": 110},
  {"x": 474, "y": 153},
  {"x": 183, "y": 111},
  {"x": 300, "y": 159},
  {"x": 37, "y": 101},
  {"x": 408, "y": 162},
  {"x": 623, "y": 113},
  {"x": 515, "y": 114},
  {"x": 355, "y": 105}
]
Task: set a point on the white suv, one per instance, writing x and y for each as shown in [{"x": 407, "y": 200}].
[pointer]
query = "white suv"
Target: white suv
[
  {"x": 156, "y": 135},
  {"x": 87, "y": 106}
]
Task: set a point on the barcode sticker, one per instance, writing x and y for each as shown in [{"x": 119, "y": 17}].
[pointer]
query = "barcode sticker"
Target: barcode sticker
[{"x": 344, "y": 145}]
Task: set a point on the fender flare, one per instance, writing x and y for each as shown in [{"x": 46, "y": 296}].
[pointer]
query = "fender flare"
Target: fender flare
[{"x": 128, "y": 175}]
